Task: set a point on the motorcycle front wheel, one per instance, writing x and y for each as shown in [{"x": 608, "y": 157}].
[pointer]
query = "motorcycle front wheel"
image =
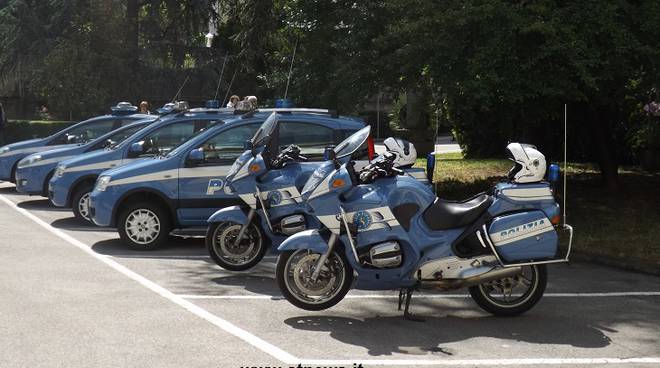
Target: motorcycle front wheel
[
  {"x": 514, "y": 295},
  {"x": 294, "y": 271},
  {"x": 230, "y": 255}
]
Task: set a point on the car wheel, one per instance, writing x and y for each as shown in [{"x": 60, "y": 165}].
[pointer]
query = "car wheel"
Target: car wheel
[{"x": 144, "y": 226}]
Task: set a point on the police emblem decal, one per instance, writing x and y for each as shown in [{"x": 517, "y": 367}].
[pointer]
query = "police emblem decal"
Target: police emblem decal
[
  {"x": 362, "y": 220},
  {"x": 214, "y": 186},
  {"x": 274, "y": 197}
]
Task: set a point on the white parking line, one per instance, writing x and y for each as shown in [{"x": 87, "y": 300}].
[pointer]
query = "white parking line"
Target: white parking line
[
  {"x": 225, "y": 325},
  {"x": 288, "y": 358},
  {"x": 428, "y": 296}
]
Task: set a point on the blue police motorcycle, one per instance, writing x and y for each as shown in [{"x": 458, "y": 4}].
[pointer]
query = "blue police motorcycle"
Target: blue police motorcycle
[
  {"x": 389, "y": 231},
  {"x": 269, "y": 182}
]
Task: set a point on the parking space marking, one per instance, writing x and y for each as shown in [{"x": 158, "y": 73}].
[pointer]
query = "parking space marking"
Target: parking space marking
[
  {"x": 225, "y": 325},
  {"x": 288, "y": 358},
  {"x": 484, "y": 362},
  {"x": 429, "y": 296}
]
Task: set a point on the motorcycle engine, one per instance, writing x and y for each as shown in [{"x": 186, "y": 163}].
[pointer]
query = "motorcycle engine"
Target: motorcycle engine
[
  {"x": 382, "y": 255},
  {"x": 292, "y": 224}
]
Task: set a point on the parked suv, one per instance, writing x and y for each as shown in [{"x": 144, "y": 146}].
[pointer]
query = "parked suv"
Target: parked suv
[
  {"x": 74, "y": 178},
  {"x": 147, "y": 200},
  {"x": 122, "y": 114},
  {"x": 34, "y": 171}
]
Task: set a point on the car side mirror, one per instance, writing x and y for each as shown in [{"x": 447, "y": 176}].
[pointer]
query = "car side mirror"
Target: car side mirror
[
  {"x": 71, "y": 138},
  {"x": 136, "y": 149},
  {"x": 196, "y": 156},
  {"x": 108, "y": 142}
]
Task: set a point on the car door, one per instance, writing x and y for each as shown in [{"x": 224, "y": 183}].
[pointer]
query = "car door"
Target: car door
[{"x": 201, "y": 186}]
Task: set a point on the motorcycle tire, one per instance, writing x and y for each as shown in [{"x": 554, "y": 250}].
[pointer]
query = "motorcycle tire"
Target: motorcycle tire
[
  {"x": 524, "y": 303},
  {"x": 218, "y": 228}
]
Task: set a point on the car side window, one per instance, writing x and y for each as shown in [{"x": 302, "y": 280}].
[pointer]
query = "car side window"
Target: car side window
[
  {"x": 85, "y": 132},
  {"x": 117, "y": 137},
  {"x": 164, "y": 139},
  {"x": 226, "y": 146},
  {"x": 312, "y": 138}
]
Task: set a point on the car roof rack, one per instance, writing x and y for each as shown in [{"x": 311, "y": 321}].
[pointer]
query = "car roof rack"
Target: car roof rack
[{"x": 289, "y": 110}]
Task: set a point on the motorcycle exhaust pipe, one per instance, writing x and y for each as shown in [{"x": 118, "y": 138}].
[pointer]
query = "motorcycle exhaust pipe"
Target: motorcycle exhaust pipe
[{"x": 451, "y": 284}]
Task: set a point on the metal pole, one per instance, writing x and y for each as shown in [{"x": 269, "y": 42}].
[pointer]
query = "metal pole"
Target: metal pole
[
  {"x": 229, "y": 88},
  {"x": 378, "y": 114},
  {"x": 565, "y": 159}
]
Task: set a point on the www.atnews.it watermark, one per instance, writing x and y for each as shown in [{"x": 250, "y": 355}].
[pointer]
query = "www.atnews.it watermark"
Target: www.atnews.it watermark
[{"x": 354, "y": 365}]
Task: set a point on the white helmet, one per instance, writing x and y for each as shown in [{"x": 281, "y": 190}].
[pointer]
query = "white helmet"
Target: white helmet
[
  {"x": 405, "y": 152},
  {"x": 530, "y": 163}
]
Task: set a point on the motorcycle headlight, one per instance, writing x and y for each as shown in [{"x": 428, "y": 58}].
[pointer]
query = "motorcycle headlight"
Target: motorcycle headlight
[
  {"x": 102, "y": 183},
  {"x": 29, "y": 161},
  {"x": 59, "y": 171},
  {"x": 4, "y": 150}
]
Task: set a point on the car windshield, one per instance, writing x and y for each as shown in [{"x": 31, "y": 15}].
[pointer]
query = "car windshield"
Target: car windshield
[
  {"x": 353, "y": 142},
  {"x": 265, "y": 131}
]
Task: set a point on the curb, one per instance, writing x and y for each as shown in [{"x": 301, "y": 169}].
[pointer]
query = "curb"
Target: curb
[{"x": 628, "y": 265}]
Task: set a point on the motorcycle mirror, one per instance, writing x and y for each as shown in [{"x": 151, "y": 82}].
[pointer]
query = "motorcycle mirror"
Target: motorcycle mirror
[
  {"x": 247, "y": 145},
  {"x": 329, "y": 154}
]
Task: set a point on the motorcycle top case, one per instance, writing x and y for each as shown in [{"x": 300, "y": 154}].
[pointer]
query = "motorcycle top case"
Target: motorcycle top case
[{"x": 524, "y": 236}]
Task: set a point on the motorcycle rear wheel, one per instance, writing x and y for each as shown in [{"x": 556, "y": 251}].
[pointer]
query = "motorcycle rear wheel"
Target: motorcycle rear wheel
[
  {"x": 294, "y": 269},
  {"x": 497, "y": 297}
]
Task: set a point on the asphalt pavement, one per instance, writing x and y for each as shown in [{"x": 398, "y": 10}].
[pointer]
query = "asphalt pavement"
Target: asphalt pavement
[{"x": 74, "y": 296}]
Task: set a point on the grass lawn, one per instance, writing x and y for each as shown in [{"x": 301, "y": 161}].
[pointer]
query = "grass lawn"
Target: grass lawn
[{"x": 623, "y": 225}]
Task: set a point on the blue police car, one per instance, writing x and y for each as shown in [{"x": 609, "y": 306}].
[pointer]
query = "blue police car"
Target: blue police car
[
  {"x": 34, "y": 171},
  {"x": 122, "y": 114},
  {"x": 74, "y": 178},
  {"x": 147, "y": 200}
]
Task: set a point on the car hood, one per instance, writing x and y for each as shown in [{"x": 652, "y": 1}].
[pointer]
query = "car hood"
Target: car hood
[
  {"x": 63, "y": 151},
  {"x": 15, "y": 147},
  {"x": 91, "y": 158}
]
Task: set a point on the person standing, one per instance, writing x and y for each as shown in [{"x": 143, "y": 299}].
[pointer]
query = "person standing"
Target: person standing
[
  {"x": 233, "y": 101},
  {"x": 144, "y": 107},
  {"x": 2, "y": 124}
]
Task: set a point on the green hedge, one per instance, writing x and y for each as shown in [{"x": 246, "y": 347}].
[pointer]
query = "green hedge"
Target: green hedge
[{"x": 19, "y": 130}]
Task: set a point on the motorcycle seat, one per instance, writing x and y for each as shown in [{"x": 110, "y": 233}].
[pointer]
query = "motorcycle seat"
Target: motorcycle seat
[{"x": 443, "y": 215}]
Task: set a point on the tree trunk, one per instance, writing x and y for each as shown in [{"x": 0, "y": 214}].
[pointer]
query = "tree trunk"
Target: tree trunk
[{"x": 602, "y": 128}]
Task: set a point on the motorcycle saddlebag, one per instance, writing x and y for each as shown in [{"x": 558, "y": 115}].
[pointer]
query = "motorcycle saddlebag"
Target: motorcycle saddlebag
[{"x": 524, "y": 237}]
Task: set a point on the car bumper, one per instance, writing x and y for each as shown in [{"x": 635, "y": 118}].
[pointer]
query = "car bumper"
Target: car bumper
[
  {"x": 6, "y": 164},
  {"x": 31, "y": 179},
  {"x": 100, "y": 207},
  {"x": 58, "y": 191}
]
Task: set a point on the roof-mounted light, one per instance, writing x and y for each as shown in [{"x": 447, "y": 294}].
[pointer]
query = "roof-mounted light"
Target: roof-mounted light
[{"x": 123, "y": 108}]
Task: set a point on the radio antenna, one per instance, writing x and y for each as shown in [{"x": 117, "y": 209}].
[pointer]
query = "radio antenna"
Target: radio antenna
[
  {"x": 288, "y": 78},
  {"x": 229, "y": 87},
  {"x": 565, "y": 159},
  {"x": 180, "y": 88},
  {"x": 222, "y": 72}
]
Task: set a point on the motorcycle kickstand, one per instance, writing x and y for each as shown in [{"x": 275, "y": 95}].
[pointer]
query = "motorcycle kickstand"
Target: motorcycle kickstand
[{"x": 406, "y": 294}]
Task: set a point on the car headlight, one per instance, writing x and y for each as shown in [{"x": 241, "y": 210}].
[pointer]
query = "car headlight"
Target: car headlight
[
  {"x": 59, "y": 171},
  {"x": 29, "y": 161},
  {"x": 102, "y": 183},
  {"x": 4, "y": 150}
]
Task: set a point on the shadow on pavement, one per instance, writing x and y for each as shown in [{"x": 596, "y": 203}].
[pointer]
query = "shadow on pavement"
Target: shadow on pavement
[
  {"x": 9, "y": 190},
  {"x": 74, "y": 223},
  {"x": 172, "y": 248},
  {"x": 40, "y": 205},
  {"x": 389, "y": 335},
  {"x": 263, "y": 285}
]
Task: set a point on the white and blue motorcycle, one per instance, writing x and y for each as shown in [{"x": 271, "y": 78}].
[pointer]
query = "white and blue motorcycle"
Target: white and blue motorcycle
[{"x": 389, "y": 231}]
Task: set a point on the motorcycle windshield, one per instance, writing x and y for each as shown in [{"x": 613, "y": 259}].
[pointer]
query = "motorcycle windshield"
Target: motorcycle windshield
[
  {"x": 317, "y": 178},
  {"x": 265, "y": 131},
  {"x": 353, "y": 142},
  {"x": 238, "y": 164}
]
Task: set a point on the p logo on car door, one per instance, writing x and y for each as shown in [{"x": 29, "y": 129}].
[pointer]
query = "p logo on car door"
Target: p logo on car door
[{"x": 214, "y": 186}]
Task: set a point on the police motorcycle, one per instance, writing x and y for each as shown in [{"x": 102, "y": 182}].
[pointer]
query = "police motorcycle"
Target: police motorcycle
[
  {"x": 391, "y": 232},
  {"x": 269, "y": 182}
]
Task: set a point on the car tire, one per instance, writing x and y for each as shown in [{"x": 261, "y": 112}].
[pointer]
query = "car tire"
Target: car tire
[
  {"x": 144, "y": 226},
  {"x": 82, "y": 194}
]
